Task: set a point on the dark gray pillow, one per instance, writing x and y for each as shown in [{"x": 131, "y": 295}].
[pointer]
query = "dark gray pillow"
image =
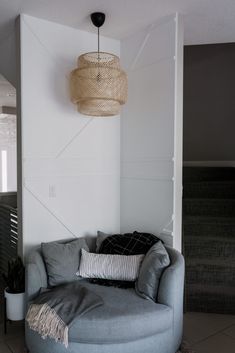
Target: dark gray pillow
[
  {"x": 155, "y": 261},
  {"x": 100, "y": 237},
  {"x": 62, "y": 260}
]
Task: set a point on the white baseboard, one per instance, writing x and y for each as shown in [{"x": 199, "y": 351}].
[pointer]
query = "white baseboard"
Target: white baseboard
[{"x": 209, "y": 163}]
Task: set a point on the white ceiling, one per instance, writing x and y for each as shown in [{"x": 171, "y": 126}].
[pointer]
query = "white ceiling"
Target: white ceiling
[
  {"x": 206, "y": 21},
  {"x": 7, "y": 93}
]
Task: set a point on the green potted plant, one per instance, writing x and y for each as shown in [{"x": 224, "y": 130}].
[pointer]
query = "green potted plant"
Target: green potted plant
[{"x": 15, "y": 290}]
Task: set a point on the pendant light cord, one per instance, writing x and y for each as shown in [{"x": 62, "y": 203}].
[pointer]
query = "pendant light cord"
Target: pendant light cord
[
  {"x": 98, "y": 76},
  {"x": 98, "y": 41}
]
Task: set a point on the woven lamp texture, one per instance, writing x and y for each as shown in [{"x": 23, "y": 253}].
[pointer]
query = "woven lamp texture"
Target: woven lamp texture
[{"x": 98, "y": 86}]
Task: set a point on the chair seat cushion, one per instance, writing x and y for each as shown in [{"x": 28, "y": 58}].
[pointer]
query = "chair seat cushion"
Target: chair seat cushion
[{"x": 123, "y": 317}]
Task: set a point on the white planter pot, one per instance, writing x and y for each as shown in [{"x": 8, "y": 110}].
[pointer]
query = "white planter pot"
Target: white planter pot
[{"x": 15, "y": 305}]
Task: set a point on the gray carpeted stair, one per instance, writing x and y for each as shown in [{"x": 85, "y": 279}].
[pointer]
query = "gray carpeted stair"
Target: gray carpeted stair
[
  {"x": 205, "y": 226},
  {"x": 210, "y": 189},
  {"x": 208, "y": 174},
  {"x": 211, "y": 298},
  {"x": 210, "y": 207},
  {"x": 209, "y": 239},
  {"x": 210, "y": 247}
]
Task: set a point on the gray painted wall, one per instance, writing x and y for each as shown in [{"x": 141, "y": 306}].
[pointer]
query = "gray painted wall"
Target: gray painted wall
[
  {"x": 209, "y": 102},
  {"x": 8, "y": 58}
]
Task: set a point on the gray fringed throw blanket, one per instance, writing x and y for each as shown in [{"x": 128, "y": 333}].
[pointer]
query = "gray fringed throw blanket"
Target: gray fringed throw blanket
[{"x": 53, "y": 311}]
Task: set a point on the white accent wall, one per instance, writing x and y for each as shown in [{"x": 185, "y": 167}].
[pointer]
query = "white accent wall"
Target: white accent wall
[
  {"x": 71, "y": 166},
  {"x": 70, "y": 163},
  {"x": 151, "y": 131}
]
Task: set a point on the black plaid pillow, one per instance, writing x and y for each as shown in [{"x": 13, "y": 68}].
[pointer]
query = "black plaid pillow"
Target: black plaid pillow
[{"x": 128, "y": 243}]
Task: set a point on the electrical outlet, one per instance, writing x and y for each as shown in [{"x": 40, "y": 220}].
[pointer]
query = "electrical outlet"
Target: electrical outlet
[{"x": 52, "y": 190}]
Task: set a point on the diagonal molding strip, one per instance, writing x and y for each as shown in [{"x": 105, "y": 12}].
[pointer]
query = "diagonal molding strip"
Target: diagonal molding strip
[
  {"x": 73, "y": 138},
  {"x": 51, "y": 55},
  {"x": 49, "y": 210},
  {"x": 54, "y": 58},
  {"x": 146, "y": 38}
]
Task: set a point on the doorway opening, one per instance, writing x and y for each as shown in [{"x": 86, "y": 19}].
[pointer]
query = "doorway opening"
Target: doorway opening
[
  {"x": 209, "y": 178},
  {"x": 8, "y": 179}
]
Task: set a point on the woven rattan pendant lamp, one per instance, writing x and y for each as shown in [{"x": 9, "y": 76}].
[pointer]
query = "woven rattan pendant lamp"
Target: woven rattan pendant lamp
[{"x": 98, "y": 86}]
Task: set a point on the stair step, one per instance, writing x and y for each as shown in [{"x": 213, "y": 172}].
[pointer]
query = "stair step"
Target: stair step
[
  {"x": 209, "y": 247},
  {"x": 209, "y": 238},
  {"x": 209, "y": 207},
  {"x": 214, "y": 299},
  {"x": 209, "y": 189},
  {"x": 208, "y": 173},
  {"x": 209, "y": 220},
  {"x": 218, "y": 227},
  {"x": 199, "y": 272}
]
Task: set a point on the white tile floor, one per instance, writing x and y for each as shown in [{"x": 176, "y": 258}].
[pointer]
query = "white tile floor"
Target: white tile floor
[{"x": 205, "y": 333}]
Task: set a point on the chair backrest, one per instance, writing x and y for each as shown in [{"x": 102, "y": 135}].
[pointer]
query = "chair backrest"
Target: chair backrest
[{"x": 36, "y": 275}]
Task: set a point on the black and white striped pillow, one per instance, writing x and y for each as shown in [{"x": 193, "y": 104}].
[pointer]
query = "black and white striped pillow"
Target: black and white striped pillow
[{"x": 113, "y": 267}]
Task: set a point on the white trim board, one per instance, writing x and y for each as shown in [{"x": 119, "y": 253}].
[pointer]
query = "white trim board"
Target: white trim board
[
  {"x": 209, "y": 163},
  {"x": 178, "y": 133}
]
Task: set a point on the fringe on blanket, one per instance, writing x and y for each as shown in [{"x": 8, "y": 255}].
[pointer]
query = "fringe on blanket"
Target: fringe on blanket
[{"x": 44, "y": 320}]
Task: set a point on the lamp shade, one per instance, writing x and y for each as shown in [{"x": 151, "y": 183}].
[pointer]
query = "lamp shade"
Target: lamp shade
[{"x": 98, "y": 86}]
